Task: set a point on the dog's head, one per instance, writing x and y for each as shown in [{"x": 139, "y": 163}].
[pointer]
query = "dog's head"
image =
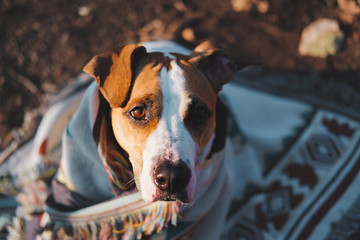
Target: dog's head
[{"x": 163, "y": 111}]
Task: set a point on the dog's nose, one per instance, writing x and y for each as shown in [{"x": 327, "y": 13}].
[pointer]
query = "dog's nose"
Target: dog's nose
[{"x": 172, "y": 177}]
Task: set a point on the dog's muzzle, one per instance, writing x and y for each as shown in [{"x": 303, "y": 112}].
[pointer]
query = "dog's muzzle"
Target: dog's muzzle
[{"x": 171, "y": 180}]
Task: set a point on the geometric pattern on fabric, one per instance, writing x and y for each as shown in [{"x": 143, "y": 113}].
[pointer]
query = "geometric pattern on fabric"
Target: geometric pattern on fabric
[{"x": 310, "y": 188}]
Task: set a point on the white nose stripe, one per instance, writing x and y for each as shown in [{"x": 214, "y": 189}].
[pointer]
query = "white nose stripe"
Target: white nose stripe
[{"x": 171, "y": 137}]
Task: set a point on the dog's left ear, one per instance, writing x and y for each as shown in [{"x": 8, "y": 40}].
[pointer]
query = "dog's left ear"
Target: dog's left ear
[
  {"x": 216, "y": 63},
  {"x": 114, "y": 72}
]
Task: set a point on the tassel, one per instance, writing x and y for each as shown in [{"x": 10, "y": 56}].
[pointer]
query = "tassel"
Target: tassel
[
  {"x": 16, "y": 229},
  {"x": 133, "y": 225},
  {"x": 93, "y": 230}
]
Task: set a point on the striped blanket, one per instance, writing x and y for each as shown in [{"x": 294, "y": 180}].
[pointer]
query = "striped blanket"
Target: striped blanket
[{"x": 294, "y": 157}]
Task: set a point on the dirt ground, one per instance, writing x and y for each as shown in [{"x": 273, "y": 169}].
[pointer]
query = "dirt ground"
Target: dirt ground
[{"x": 44, "y": 44}]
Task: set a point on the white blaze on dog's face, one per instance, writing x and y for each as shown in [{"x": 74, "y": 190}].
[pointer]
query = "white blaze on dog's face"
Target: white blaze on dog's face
[{"x": 163, "y": 112}]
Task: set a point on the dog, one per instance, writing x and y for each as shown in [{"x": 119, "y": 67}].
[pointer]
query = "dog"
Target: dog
[{"x": 155, "y": 111}]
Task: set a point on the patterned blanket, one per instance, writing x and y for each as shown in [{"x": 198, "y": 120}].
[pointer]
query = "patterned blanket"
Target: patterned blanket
[
  {"x": 306, "y": 141},
  {"x": 295, "y": 175}
]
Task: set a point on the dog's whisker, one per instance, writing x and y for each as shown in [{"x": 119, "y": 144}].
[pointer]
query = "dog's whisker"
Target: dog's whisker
[{"x": 130, "y": 183}]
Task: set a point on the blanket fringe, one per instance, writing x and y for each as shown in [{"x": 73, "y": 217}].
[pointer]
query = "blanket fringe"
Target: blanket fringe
[
  {"x": 133, "y": 225},
  {"x": 16, "y": 230}
]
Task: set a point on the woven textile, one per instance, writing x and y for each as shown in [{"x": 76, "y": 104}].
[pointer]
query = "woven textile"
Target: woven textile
[{"x": 290, "y": 170}]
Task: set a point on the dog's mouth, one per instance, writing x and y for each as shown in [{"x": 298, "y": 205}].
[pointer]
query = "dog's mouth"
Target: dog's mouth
[{"x": 182, "y": 197}]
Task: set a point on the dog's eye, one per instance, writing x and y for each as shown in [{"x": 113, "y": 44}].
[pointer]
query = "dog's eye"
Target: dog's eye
[
  {"x": 199, "y": 113},
  {"x": 138, "y": 113}
]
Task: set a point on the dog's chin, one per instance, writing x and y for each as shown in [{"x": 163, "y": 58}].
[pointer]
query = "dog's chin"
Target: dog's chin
[{"x": 181, "y": 197}]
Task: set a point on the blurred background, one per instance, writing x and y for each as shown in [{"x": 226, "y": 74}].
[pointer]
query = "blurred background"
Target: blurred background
[{"x": 44, "y": 44}]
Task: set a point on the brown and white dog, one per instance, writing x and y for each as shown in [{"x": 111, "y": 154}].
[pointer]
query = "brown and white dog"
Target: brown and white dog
[{"x": 163, "y": 101}]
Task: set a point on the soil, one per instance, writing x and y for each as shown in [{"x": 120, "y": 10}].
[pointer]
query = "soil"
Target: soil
[{"x": 44, "y": 44}]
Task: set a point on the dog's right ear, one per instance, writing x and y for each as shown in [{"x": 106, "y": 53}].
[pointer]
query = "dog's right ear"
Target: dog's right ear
[
  {"x": 114, "y": 72},
  {"x": 216, "y": 63}
]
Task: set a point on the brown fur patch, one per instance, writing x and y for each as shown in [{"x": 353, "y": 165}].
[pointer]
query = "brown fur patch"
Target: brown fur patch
[
  {"x": 199, "y": 87},
  {"x": 132, "y": 134},
  {"x": 113, "y": 72}
]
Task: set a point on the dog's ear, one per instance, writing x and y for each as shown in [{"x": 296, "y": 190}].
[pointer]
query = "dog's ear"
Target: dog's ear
[
  {"x": 114, "y": 72},
  {"x": 216, "y": 63}
]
